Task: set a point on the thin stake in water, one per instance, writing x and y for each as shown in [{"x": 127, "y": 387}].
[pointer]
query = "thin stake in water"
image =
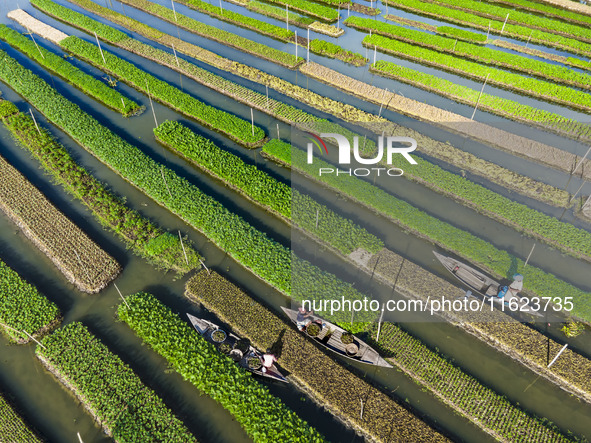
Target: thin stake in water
[
  {"x": 151, "y": 104},
  {"x": 121, "y": 295},
  {"x": 296, "y": 45},
  {"x": 221, "y": 9},
  {"x": 267, "y": 89},
  {"x": 164, "y": 178},
  {"x": 577, "y": 167},
  {"x": 278, "y": 137},
  {"x": 529, "y": 38},
  {"x": 35, "y": 121},
  {"x": 488, "y": 33},
  {"x": 183, "y": 246},
  {"x": 479, "y": 96},
  {"x": 530, "y": 253},
  {"x": 317, "y": 216},
  {"x": 252, "y": 121},
  {"x": 382, "y": 104},
  {"x": 308, "y": 56},
  {"x": 586, "y": 203},
  {"x": 79, "y": 438},
  {"x": 375, "y": 53},
  {"x": 23, "y": 332},
  {"x": 380, "y": 323},
  {"x": 122, "y": 103},
  {"x": 339, "y": 18},
  {"x": 286, "y": 18},
  {"x": 100, "y": 49},
  {"x": 174, "y": 11}
]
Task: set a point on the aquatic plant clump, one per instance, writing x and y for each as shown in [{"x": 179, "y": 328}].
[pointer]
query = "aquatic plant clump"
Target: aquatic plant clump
[
  {"x": 263, "y": 416},
  {"x": 109, "y": 389},
  {"x": 12, "y": 427},
  {"x": 23, "y": 309},
  {"x": 145, "y": 238}
]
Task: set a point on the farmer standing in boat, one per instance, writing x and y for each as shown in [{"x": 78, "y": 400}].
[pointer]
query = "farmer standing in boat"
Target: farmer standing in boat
[
  {"x": 268, "y": 360},
  {"x": 513, "y": 289},
  {"x": 303, "y": 318}
]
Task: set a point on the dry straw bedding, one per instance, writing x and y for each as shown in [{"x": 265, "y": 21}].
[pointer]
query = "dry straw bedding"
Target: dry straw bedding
[{"x": 79, "y": 258}]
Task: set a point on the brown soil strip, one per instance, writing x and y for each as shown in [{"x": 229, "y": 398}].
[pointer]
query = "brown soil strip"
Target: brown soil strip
[
  {"x": 81, "y": 260},
  {"x": 32, "y": 24}
]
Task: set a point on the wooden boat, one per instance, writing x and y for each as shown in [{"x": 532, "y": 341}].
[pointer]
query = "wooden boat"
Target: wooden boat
[
  {"x": 236, "y": 348},
  {"x": 330, "y": 337},
  {"x": 485, "y": 285}
]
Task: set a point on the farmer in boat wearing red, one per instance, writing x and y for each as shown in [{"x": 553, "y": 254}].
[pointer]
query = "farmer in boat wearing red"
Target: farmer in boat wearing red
[{"x": 513, "y": 289}]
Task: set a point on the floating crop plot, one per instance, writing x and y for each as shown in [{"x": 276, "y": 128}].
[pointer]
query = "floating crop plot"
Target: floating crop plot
[
  {"x": 110, "y": 391},
  {"x": 339, "y": 390},
  {"x": 144, "y": 237},
  {"x": 89, "y": 85},
  {"x": 12, "y": 426},
  {"x": 79, "y": 258},
  {"x": 24, "y": 312},
  {"x": 263, "y": 416}
]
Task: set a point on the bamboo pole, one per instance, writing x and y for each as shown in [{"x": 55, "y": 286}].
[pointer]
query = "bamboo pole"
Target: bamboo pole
[
  {"x": 286, "y": 17},
  {"x": 183, "y": 246},
  {"x": 36, "y": 45},
  {"x": 35, "y": 121},
  {"x": 252, "y": 120},
  {"x": 380, "y": 323},
  {"x": 121, "y": 295},
  {"x": 529, "y": 255},
  {"x": 479, "y": 96},
  {"x": 100, "y": 49},
  {"x": 164, "y": 178},
  {"x": 503, "y": 28},
  {"x": 558, "y": 355},
  {"x": 151, "y": 104}
]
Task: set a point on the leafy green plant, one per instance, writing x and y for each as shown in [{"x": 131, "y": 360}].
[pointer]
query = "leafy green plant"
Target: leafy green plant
[
  {"x": 23, "y": 308},
  {"x": 139, "y": 233},
  {"x": 461, "y": 34},
  {"x": 279, "y": 13},
  {"x": 525, "y": 85},
  {"x": 108, "y": 388},
  {"x": 312, "y": 9},
  {"x": 226, "y": 123},
  {"x": 438, "y": 231},
  {"x": 13, "y": 427},
  {"x": 263, "y": 416}
]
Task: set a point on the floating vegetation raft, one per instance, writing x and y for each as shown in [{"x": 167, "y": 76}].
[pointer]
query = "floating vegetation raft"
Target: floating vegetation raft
[
  {"x": 110, "y": 391},
  {"x": 23, "y": 310},
  {"x": 463, "y": 392},
  {"x": 82, "y": 261},
  {"x": 13, "y": 427},
  {"x": 89, "y": 85},
  {"x": 146, "y": 239},
  {"x": 358, "y": 403},
  {"x": 263, "y": 416}
]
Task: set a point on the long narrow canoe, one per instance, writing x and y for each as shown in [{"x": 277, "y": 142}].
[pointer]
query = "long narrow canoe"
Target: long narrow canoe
[
  {"x": 485, "y": 285},
  {"x": 330, "y": 336},
  {"x": 238, "y": 349}
]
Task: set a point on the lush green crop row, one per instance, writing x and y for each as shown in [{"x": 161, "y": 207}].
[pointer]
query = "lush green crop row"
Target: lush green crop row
[
  {"x": 546, "y": 10},
  {"x": 437, "y": 231},
  {"x": 267, "y": 191},
  {"x": 338, "y": 388},
  {"x": 263, "y": 416},
  {"x": 461, "y": 34},
  {"x": 279, "y": 13},
  {"x": 109, "y": 389},
  {"x": 488, "y": 10},
  {"x": 12, "y": 426},
  {"x": 489, "y": 103},
  {"x": 235, "y": 127},
  {"x": 145, "y": 238},
  {"x": 495, "y": 57},
  {"x": 525, "y": 85},
  {"x": 23, "y": 308},
  {"x": 236, "y": 18},
  {"x": 60, "y": 66},
  {"x": 463, "y": 18},
  {"x": 329, "y": 49},
  {"x": 216, "y": 34},
  {"x": 266, "y": 258},
  {"x": 309, "y": 8},
  {"x": 465, "y": 393}
]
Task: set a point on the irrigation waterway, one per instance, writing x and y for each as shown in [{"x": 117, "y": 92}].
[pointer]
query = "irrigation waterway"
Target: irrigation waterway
[{"x": 59, "y": 416}]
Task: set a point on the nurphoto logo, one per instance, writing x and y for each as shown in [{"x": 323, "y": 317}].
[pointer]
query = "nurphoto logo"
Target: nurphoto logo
[{"x": 392, "y": 147}]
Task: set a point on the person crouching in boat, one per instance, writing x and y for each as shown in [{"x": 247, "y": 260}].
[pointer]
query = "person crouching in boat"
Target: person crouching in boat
[
  {"x": 513, "y": 289},
  {"x": 268, "y": 360},
  {"x": 304, "y": 318}
]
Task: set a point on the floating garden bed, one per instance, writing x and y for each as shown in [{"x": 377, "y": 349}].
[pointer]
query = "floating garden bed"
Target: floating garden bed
[
  {"x": 547, "y": 10},
  {"x": 328, "y": 382},
  {"x": 311, "y": 9},
  {"x": 462, "y": 392},
  {"x": 263, "y": 416},
  {"x": 140, "y": 234},
  {"x": 12, "y": 427},
  {"x": 488, "y": 103},
  {"x": 23, "y": 310},
  {"x": 277, "y": 197},
  {"x": 279, "y": 13},
  {"x": 463, "y": 18},
  {"x": 84, "y": 263},
  {"x": 425, "y": 226},
  {"x": 74, "y": 76},
  {"x": 529, "y": 86},
  {"x": 457, "y": 48},
  {"x": 108, "y": 388},
  {"x": 215, "y": 33},
  {"x": 234, "y": 127}
]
